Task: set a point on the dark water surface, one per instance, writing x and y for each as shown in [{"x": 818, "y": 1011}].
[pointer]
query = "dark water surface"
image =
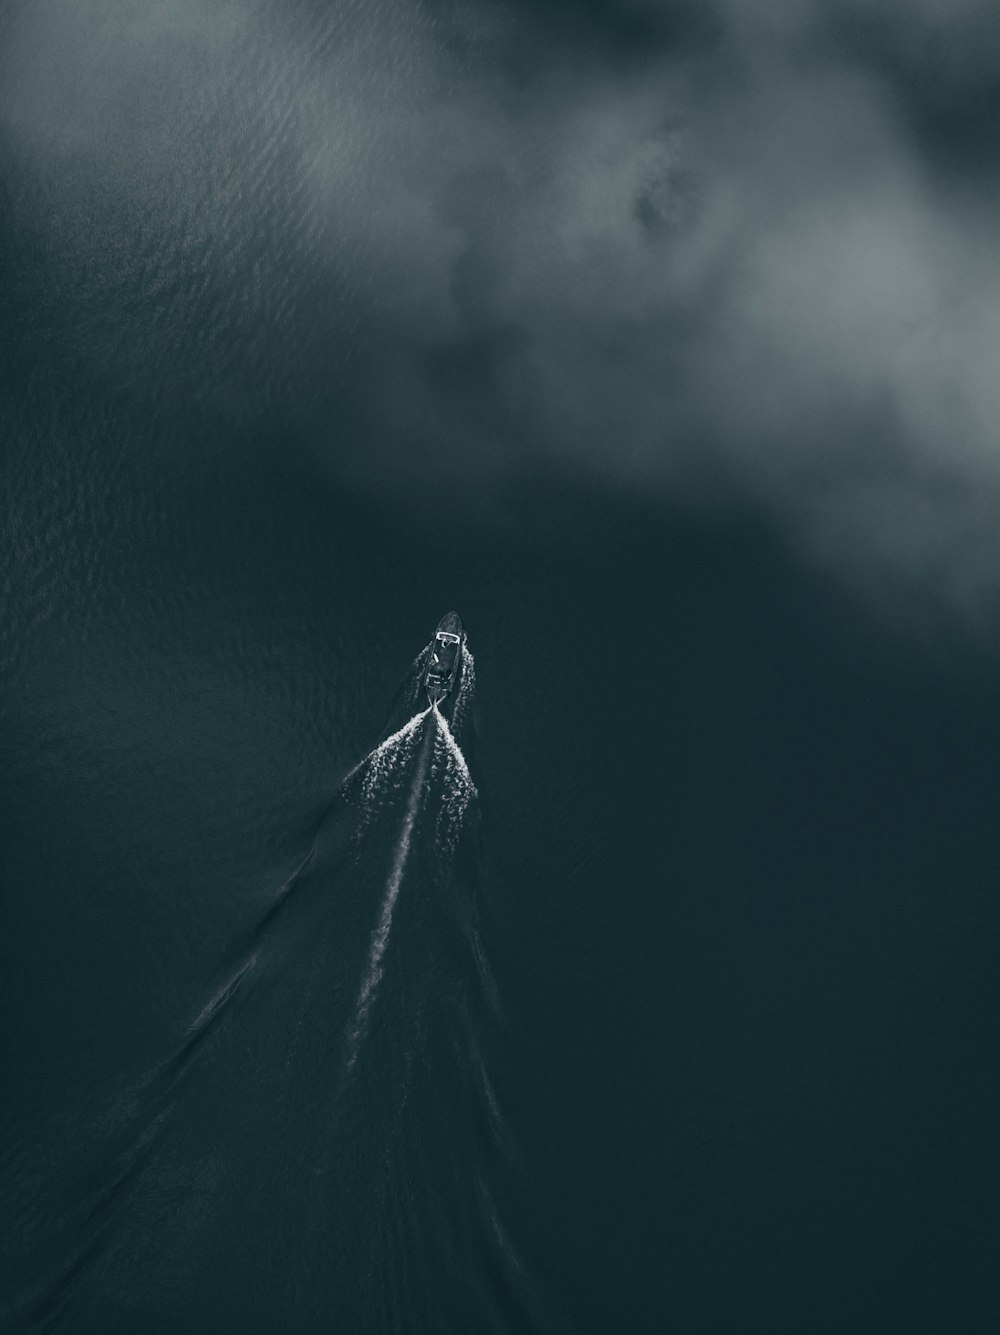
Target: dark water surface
[{"x": 677, "y": 1014}]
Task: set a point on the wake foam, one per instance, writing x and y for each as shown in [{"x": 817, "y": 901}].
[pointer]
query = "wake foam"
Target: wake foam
[
  {"x": 464, "y": 690},
  {"x": 380, "y": 937},
  {"x": 385, "y": 767},
  {"x": 450, "y": 769},
  {"x": 441, "y": 773}
]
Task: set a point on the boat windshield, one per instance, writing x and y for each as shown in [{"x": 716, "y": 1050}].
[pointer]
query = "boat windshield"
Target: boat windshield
[{"x": 445, "y": 652}]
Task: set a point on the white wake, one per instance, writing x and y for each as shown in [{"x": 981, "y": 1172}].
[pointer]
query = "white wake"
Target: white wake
[
  {"x": 441, "y": 769},
  {"x": 380, "y": 937}
]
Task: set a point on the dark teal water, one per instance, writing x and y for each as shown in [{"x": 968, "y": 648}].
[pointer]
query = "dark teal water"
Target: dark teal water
[{"x": 677, "y": 1014}]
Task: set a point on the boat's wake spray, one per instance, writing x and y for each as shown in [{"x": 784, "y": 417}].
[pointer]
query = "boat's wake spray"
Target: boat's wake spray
[
  {"x": 380, "y": 937},
  {"x": 464, "y": 691},
  {"x": 385, "y": 769},
  {"x": 441, "y": 772},
  {"x": 457, "y": 788}
]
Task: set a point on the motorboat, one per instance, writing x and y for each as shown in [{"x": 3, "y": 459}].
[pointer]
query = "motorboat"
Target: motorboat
[{"x": 445, "y": 658}]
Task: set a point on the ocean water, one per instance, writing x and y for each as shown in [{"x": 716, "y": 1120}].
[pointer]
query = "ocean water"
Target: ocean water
[
  {"x": 642, "y": 1020},
  {"x": 649, "y": 988}
]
